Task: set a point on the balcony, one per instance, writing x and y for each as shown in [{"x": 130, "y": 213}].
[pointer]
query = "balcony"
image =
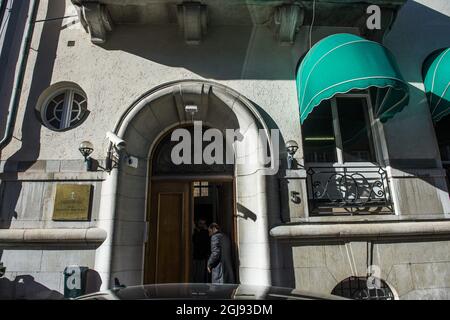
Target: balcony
[
  {"x": 348, "y": 190},
  {"x": 98, "y": 17}
]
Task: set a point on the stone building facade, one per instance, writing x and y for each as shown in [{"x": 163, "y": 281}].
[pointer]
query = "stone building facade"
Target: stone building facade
[{"x": 133, "y": 67}]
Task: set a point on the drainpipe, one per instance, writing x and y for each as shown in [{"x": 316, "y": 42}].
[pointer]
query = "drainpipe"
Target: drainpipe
[
  {"x": 3, "y": 5},
  {"x": 18, "y": 81},
  {"x": 2, "y": 10}
]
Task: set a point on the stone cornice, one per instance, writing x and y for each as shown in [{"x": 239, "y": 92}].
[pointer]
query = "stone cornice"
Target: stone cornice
[
  {"x": 362, "y": 231},
  {"x": 194, "y": 17},
  {"x": 54, "y": 176},
  {"x": 59, "y": 237}
]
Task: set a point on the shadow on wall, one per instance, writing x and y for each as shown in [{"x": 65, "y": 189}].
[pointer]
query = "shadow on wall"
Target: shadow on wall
[
  {"x": 418, "y": 31},
  {"x": 246, "y": 213},
  {"x": 31, "y": 128},
  {"x": 281, "y": 260},
  {"x": 421, "y": 137},
  {"x": 26, "y": 287},
  {"x": 243, "y": 56},
  {"x": 16, "y": 18},
  {"x": 93, "y": 281}
]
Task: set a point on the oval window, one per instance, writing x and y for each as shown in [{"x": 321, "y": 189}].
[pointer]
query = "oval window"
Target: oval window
[{"x": 64, "y": 109}]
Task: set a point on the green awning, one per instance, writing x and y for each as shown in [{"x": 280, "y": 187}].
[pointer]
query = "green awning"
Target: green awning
[
  {"x": 344, "y": 62},
  {"x": 436, "y": 76}
]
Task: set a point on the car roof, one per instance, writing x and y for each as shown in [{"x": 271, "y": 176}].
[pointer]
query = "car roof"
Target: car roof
[{"x": 205, "y": 291}]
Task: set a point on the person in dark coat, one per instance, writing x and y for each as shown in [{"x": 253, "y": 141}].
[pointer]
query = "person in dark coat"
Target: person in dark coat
[{"x": 220, "y": 263}]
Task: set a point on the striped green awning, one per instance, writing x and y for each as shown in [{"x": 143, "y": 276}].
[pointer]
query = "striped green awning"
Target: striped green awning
[
  {"x": 436, "y": 76},
  {"x": 344, "y": 62}
]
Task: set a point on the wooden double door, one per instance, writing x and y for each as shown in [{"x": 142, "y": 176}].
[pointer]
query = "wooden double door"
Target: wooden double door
[
  {"x": 168, "y": 246},
  {"x": 171, "y": 220}
]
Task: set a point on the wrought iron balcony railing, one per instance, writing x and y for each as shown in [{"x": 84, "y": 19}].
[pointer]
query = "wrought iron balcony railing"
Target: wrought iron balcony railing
[{"x": 348, "y": 190}]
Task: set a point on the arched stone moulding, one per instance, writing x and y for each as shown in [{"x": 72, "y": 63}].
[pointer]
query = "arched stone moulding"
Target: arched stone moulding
[{"x": 124, "y": 194}]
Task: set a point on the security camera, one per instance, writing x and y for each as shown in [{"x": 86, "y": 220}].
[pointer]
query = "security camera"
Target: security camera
[
  {"x": 119, "y": 143},
  {"x": 191, "y": 109}
]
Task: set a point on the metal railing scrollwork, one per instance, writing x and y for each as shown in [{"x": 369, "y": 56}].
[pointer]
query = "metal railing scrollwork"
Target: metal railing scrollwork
[{"x": 344, "y": 190}]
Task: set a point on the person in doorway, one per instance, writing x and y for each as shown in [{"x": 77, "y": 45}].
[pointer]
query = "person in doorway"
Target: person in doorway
[
  {"x": 201, "y": 246},
  {"x": 220, "y": 264}
]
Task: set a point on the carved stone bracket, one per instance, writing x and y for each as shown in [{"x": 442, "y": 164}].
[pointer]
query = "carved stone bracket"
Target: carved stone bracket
[
  {"x": 193, "y": 20},
  {"x": 288, "y": 18},
  {"x": 95, "y": 19}
]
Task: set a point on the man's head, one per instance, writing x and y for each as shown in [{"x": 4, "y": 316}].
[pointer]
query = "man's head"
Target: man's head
[
  {"x": 213, "y": 228},
  {"x": 201, "y": 224}
]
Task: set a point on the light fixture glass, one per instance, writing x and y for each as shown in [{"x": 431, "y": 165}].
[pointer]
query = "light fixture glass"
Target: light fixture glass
[
  {"x": 291, "y": 147},
  {"x": 86, "y": 148}
]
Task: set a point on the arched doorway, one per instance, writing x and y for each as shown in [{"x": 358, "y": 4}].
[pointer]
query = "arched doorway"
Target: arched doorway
[
  {"x": 125, "y": 204},
  {"x": 184, "y": 200}
]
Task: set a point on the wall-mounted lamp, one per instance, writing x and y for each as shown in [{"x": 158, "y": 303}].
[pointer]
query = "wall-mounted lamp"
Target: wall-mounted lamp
[
  {"x": 291, "y": 148},
  {"x": 86, "y": 148},
  {"x": 116, "y": 148}
]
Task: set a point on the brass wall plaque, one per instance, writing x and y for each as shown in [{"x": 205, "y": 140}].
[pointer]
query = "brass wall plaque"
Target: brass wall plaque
[{"x": 72, "y": 202}]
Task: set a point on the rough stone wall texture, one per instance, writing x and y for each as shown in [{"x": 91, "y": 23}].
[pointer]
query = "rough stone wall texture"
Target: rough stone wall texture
[
  {"x": 29, "y": 204},
  {"x": 420, "y": 28},
  {"x": 38, "y": 273},
  {"x": 414, "y": 270},
  {"x": 138, "y": 58}
]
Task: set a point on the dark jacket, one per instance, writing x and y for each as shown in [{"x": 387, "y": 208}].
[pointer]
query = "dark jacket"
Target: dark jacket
[{"x": 220, "y": 261}]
